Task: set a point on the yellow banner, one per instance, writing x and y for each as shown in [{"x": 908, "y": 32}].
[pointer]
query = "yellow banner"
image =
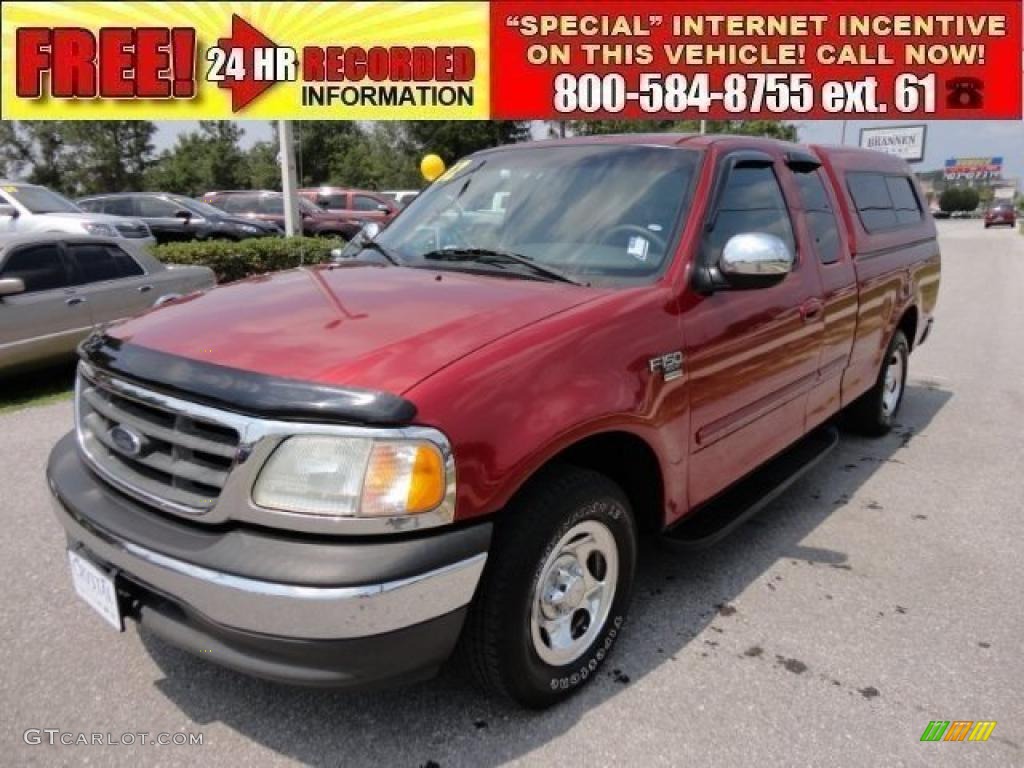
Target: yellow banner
[{"x": 252, "y": 60}]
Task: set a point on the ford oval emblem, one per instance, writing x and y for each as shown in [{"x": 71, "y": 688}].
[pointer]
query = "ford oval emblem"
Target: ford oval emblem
[{"x": 126, "y": 440}]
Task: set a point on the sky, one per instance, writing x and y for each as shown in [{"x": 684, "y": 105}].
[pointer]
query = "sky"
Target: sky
[{"x": 945, "y": 138}]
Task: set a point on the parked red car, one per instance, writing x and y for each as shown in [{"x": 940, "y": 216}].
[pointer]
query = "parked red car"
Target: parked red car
[
  {"x": 265, "y": 205},
  {"x": 1000, "y": 213},
  {"x": 354, "y": 203},
  {"x": 332, "y": 475}
]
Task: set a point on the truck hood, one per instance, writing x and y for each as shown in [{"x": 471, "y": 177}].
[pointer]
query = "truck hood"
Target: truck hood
[{"x": 360, "y": 325}]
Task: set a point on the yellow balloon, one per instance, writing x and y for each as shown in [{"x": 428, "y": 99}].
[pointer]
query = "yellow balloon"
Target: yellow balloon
[{"x": 431, "y": 166}]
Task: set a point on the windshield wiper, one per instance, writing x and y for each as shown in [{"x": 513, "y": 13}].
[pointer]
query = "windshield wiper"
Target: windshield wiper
[{"x": 490, "y": 255}]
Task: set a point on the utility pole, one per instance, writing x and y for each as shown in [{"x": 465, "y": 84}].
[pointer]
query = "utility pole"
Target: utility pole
[
  {"x": 289, "y": 179},
  {"x": 703, "y": 127}
]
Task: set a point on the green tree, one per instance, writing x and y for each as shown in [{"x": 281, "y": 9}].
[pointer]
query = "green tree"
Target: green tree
[
  {"x": 951, "y": 199},
  {"x": 452, "y": 139},
  {"x": 969, "y": 199},
  {"x": 107, "y": 155},
  {"x": 203, "y": 160},
  {"x": 78, "y": 157},
  {"x": 264, "y": 167},
  {"x": 35, "y": 151},
  {"x": 772, "y": 128}
]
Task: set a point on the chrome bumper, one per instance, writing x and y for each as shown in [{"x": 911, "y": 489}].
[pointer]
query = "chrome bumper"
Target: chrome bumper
[{"x": 283, "y": 610}]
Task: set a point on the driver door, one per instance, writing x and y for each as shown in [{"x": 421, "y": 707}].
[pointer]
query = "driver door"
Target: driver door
[{"x": 752, "y": 354}]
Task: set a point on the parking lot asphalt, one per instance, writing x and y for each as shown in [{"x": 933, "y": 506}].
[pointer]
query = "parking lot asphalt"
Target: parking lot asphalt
[{"x": 881, "y": 592}]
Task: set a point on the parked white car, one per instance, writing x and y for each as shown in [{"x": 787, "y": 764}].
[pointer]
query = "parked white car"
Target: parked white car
[
  {"x": 56, "y": 288},
  {"x": 32, "y": 208}
]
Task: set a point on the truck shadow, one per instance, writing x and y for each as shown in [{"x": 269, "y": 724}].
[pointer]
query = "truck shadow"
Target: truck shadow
[{"x": 680, "y": 599}]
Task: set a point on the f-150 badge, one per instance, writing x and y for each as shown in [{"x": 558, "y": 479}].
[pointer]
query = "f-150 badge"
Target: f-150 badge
[{"x": 670, "y": 365}]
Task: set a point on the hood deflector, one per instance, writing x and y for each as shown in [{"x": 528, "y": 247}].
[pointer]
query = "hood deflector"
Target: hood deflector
[{"x": 254, "y": 394}]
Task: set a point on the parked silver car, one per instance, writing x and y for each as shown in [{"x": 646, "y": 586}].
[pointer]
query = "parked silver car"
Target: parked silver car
[
  {"x": 55, "y": 288},
  {"x": 31, "y": 208}
]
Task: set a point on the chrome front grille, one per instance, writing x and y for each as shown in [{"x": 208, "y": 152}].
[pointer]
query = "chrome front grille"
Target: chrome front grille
[{"x": 175, "y": 459}]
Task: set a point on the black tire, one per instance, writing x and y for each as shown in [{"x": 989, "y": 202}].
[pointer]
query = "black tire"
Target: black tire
[
  {"x": 874, "y": 412},
  {"x": 498, "y": 644}
]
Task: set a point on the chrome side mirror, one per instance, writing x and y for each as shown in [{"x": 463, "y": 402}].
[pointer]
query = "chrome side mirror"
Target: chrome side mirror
[
  {"x": 755, "y": 260},
  {"x": 10, "y": 286},
  {"x": 370, "y": 230}
]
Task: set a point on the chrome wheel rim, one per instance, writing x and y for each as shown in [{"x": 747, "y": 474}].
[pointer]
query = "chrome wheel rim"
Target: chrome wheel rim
[
  {"x": 892, "y": 386},
  {"x": 574, "y": 593}
]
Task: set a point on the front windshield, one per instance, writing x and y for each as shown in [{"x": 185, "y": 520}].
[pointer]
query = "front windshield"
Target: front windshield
[
  {"x": 593, "y": 211},
  {"x": 41, "y": 200},
  {"x": 203, "y": 209}
]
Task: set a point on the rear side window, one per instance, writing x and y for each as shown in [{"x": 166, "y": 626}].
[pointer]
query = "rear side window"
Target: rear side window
[
  {"x": 821, "y": 219},
  {"x": 40, "y": 266},
  {"x": 884, "y": 202},
  {"x": 98, "y": 262},
  {"x": 752, "y": 201}
]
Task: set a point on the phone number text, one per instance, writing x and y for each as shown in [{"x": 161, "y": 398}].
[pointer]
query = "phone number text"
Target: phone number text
[{"x": 774, "y": 93}]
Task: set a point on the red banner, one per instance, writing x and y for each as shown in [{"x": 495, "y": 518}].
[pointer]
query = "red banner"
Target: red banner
[{"x": 869, "y": 59}]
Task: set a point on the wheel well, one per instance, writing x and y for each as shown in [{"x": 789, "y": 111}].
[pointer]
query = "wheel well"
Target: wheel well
[
  {"x": 631, "y": 463},
  {"x": 908, "y": 324}
]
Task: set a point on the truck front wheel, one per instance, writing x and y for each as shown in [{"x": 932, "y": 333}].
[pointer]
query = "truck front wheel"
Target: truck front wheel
[
  {"x": 874, "y": 412},
  {"x": 556, "y": 588}
]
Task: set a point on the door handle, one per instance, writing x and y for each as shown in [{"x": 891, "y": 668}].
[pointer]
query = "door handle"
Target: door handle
[
  {"x": 145, "y": 288},
  {"x": 811, "y": 309},
  {"x": 75, "y": 300}
]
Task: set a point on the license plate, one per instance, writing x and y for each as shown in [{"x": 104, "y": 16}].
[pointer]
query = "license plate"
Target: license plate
[{"x": 96, "y": 587}]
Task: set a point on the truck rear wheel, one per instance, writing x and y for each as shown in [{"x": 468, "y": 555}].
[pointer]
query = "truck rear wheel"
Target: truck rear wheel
[
  {"x": 875, "y": 411},
  {"x": 556, "y": 588}
]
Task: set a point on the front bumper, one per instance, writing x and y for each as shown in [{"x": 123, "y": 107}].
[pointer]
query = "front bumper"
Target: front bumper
[{"x": 301, "y": 609}]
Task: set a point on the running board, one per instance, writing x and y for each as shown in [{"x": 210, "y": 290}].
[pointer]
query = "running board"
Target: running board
[{"x": 717, "y": 518}]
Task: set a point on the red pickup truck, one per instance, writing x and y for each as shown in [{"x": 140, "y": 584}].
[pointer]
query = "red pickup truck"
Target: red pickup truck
[{"x": 454, "y": 436}]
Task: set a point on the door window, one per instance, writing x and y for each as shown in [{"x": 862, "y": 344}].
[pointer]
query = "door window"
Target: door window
[
  {"x": 97, "y": 262},
  {"x": 155, "y": 208},
  {"x": 119, "y": 206},
  {"x": 333, "y": 202},
  {"x": 272, "y": 205},
  {"x": 40, "y": 266},
  {"x": 751, "y": 201},
  {"x": 236, "y": 203},
  {"x": 821, "y": 219},
  {"x": 365, "y": 203}
]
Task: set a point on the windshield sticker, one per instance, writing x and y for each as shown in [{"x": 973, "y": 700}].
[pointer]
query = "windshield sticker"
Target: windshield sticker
[
  {"x": 454, "y": 171},
  {"x": 637, "y": 248}
]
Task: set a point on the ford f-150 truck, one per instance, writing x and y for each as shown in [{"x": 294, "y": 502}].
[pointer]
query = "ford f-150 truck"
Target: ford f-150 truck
[{"x": 450, "y": 441}]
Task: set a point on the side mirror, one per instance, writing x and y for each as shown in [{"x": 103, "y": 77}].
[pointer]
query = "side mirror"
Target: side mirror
[
  {"x": 383, "y": 208},
  {"x": 370, "y": 230},
  {"x": 6, "y": 209},
  {"x": 755, "y": 260},
  {"x": 10, "y": 286},
  {"x": 186, "y": 215}
]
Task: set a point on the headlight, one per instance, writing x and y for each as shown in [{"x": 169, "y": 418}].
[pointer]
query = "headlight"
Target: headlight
[
  {"x": 249, "y": 229},
  {"x": 353, "y": 477},
  {"x": 95, "y": 228}
]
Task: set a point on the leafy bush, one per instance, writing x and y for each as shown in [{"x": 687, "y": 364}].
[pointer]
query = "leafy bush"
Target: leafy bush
[
  {"x": 233, "y": 261},
  {"x": 955, "y": 199}
]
